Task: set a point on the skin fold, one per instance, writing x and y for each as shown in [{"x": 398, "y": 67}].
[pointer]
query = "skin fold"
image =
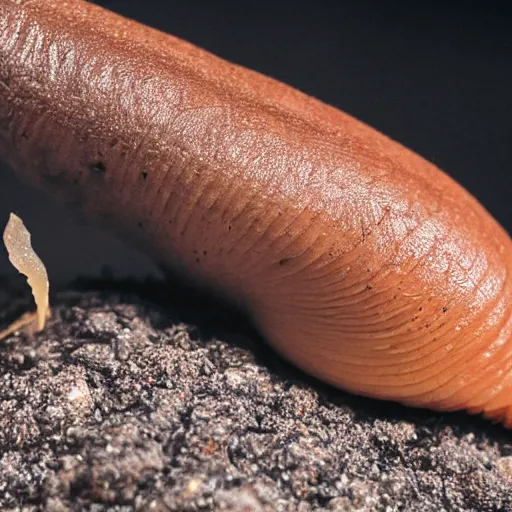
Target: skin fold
[{"x": 358, "y": 260}]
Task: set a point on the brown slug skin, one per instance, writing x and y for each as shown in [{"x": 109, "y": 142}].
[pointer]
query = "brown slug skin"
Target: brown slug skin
[{"x": 359, "y": 261}]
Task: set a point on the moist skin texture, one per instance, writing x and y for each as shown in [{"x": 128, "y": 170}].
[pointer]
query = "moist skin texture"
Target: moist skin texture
[{"x": 357, "y": 259}]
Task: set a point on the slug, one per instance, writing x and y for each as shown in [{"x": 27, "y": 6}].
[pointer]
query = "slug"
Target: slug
[{"x": 359, "y": 261}]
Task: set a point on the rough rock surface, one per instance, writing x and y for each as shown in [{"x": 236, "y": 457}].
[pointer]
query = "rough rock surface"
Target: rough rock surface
[{"x": 133, "y": 400}]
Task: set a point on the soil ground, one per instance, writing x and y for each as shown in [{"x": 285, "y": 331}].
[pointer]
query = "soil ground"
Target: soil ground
[{"x": 137, "y": 397}]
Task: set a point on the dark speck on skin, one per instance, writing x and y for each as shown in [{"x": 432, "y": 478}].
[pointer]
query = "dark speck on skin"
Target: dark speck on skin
[{"x": 98, "y": 167}]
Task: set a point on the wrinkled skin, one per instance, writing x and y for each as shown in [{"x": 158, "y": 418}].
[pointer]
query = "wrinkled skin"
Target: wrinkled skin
[{"x": 359, "y": 261}]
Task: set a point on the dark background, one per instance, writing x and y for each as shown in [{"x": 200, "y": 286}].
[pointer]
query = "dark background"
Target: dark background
[{"x": 436, "y": 76}]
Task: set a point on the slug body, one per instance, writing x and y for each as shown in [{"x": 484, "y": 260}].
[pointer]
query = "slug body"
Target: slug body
[{"x": 359, "y": 261}]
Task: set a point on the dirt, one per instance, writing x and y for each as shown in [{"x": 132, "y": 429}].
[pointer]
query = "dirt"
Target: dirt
[{"x": 145, "y": 397}]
